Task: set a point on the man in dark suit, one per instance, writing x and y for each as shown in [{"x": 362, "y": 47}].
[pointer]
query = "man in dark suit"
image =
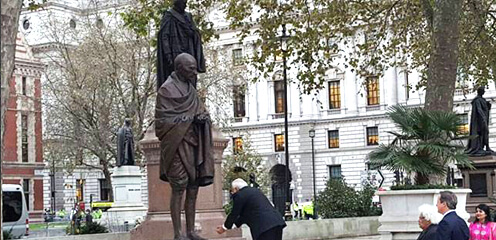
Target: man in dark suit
[
  {"x": 452, "y": 227},
  {"x": 252, "y": 207}
]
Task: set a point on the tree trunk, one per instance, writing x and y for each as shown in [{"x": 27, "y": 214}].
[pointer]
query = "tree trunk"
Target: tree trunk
[
  {"x": 441, "y": 78},
  {"x": 106, "y": 173},
  {"x": 421, "y": 179},
  {"x": 10, "y": 11}
]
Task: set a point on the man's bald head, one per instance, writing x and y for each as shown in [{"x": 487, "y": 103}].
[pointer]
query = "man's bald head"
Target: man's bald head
[
  {"x": 185, "y": 67},
  {"x": 182, "y": 59}
]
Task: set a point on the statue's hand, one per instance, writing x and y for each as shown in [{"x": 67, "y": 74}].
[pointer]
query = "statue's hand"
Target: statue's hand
[{"x": 202, "y": 117}]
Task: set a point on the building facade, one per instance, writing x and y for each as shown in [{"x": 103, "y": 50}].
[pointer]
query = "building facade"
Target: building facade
[
  {"x": 348, "y": 116},
  {"x": 23, "y": 156}
]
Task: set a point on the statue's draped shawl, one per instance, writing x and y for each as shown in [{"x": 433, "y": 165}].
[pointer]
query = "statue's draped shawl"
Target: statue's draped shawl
[
  {"x": 178, "y": 34},
  {"x": 173, "y": 117}
]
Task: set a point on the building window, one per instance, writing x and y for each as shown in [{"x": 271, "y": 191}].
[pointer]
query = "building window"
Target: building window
[
  {"x": 237, "y": 56},
  {"x": 372, "y": 91},
  {"x": 24, "y": 134},
  {"x": 279, "y": 142},
  {"x": 333, "y": 139},
  {"x": 372, "y": 136},
  {"x": 99, "y": 23},
  {"x": 72, "y": 24},
  {"x": 239, "y": 102},
  {"x": 23, "y": 85},
  {"x": 80, "y": 189},
  {"x": 279, "y": 96},
  {"x": 237, "y": 145},
  {"x": 334, "y": 95},
  {"x": 334, "y": 171},
  {"x": 104, "y": 189},
  {"x": 463, "y": 128},
  {"x": 25, "y": 188},
  {"x": 25, "y": 24},
  {"x": 407, "y": 86}
]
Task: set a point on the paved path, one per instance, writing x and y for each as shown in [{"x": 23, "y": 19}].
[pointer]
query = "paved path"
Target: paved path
[{"x": 375, "y": 237}]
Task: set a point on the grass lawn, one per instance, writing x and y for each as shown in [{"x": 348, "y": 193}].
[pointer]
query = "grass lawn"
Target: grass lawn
[{"x": 40, "y": 226}]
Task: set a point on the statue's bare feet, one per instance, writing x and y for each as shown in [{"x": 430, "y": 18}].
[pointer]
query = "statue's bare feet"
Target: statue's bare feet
[{"x": 194, "y": 236}]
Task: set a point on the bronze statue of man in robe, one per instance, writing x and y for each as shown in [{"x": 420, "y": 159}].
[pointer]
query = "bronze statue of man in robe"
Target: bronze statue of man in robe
[
  {"x": 125, "y": 145},
  {"x": 183, "y": 126},
  {"x": 479, "y": 126},
  {"x": 177, "y": 34}
]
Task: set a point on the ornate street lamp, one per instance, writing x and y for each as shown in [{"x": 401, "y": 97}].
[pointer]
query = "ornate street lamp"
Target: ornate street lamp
[
  {"x": 311, "y": 134},
  {"x": 283, "y": 38}
]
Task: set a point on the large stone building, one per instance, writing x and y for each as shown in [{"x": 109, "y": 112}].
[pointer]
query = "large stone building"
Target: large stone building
[
  {"x": 23, "y": 156},
  {"x": 348, "y": 116}
]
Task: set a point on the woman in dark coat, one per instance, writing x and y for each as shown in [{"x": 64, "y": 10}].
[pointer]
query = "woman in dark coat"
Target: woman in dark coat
[{"x": 428, "y": 220}]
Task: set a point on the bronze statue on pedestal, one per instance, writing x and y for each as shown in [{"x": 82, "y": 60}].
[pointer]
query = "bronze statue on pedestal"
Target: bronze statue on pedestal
[
  {"x": 183, "y": 126},
  {"x": 479, "y": 127}
]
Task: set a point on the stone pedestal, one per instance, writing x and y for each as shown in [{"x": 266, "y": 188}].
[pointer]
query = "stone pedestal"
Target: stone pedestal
[
  {"x": 399, "y": 219},
  {"x": 209, "y": 211},
  {"x": 128, "y": 205},
  {"x": 482, "y": 181}
]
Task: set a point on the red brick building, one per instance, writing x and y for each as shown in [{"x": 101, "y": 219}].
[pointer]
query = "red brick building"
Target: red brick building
[{"x": 23, "y": 155}]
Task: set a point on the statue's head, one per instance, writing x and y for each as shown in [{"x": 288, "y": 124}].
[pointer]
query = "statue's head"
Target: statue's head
[
  {"x": 480, "y": 91},
  {"x": 180, "y": 5},
  {"x": 127, "y": 122},
  {"x": 185, "y": 67}
]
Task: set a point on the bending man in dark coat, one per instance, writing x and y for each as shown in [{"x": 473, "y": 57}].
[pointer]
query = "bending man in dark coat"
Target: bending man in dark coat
[
  {"x": 252, "y": 207},
  {"x": 178, "y": 34},
  {"x": 479, "y": 122},
  {"x": 183, "y": 126}
]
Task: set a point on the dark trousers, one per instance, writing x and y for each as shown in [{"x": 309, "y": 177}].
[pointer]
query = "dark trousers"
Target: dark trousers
[{"x": 271, "y": 234}]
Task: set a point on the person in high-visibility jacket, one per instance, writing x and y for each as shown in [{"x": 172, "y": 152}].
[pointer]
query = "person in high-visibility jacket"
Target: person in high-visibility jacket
[
  {"x": 296, "y": 209},
  {"x": 308, "y": 210}
]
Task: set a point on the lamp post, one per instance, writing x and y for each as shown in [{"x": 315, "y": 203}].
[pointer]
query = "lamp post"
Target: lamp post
[
  {"x": 52, "y": 186},
  {"x": 311, "y": 134},
  {"x": 283, "y": 38}
]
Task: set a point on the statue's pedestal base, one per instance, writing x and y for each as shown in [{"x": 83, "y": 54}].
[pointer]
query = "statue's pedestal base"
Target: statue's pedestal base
[
  {"x": 158, "y": 226},
  {"x": 482, "y": 181},
  {"x": 128, "y": 205},
  {"x": 209, "y": 211}
]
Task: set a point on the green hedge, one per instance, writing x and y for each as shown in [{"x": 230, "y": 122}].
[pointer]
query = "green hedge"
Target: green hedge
[
  {"x": 338, "y": 200},
  {"x": 425, "y": 186}
]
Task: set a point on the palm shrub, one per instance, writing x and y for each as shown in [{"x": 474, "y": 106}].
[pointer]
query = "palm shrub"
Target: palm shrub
[{"x": 426, "y": 142}]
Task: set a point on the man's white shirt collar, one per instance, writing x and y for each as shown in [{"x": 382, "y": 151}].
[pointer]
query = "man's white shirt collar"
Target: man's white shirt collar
[{"x": 446, "y": 213}]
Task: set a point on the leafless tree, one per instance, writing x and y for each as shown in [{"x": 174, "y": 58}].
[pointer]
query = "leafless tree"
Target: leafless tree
[{"x": 99, "y": 73}]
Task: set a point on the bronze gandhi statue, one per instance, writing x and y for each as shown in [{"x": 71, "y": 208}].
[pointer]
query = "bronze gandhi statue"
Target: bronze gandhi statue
[{"x": 183, "y": 127}]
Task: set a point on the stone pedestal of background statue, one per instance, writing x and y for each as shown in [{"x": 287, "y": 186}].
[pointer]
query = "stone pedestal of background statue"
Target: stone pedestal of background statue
[
  {"x": 482, "y": 181},
  {"x": 128, "y": 205},
  {"x": 209, "y": 211}
]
